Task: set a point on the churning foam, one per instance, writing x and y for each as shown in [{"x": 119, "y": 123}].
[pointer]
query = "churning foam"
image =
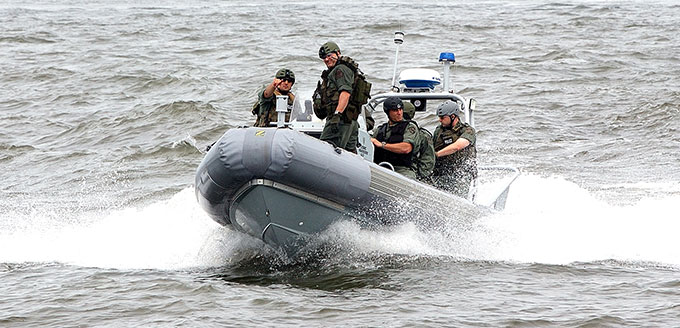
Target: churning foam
[
  {"x": 546, "y": 220},
  {"x": 170, "y": 234}
]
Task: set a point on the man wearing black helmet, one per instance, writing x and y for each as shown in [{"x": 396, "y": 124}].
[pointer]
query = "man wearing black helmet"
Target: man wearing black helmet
[
  {"x": 337, "y": 98},
  {"x": 265, "y": 107},
  {"x": 394, "y": 141},
  {"x": 454, "y": 145}
]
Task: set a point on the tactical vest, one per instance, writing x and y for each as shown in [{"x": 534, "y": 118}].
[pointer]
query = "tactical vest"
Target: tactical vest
[
  {"x": 424, "y": 156},
  {"x": 264, "y": 119},
  {"x": 462, "y": 162},
  {"x": 396, "y": 136},
  {"x": 326, "y": 98}
]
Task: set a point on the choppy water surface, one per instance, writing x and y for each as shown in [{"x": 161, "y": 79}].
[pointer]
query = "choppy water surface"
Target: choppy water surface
[{"x": 106, "y": 107}]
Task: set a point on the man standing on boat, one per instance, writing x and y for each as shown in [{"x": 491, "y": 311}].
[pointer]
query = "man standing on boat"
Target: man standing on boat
[
  {"x": 265, "y": 107},
  {"x": 454, "y": 145},
  {"x": 394, "y": 141},
  {"x": 339, "y": 96}
]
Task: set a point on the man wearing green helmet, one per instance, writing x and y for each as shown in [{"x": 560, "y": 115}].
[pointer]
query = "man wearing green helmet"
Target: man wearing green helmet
[
  {"x": 265, "y": 107},
  {"x": 339, "y": 96},
  {"x": 455, "y": 148},
  {"x": 423, "y": 150}
]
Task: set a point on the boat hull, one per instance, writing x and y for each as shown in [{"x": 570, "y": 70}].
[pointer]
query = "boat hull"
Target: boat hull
[{"x": 281, "y": 215}]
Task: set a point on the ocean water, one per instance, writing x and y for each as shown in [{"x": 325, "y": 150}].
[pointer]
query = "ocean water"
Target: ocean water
[{"x": 106, "y": 108}]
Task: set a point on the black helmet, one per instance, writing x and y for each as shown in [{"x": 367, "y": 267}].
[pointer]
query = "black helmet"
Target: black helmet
[
  {"x": 392, "y": 103},
  {"x": 449, "y": 108},
  {"x": 285, "y": 73},
  {"x": 327, "y": 48},
  {"x": 409, "y": 110}
]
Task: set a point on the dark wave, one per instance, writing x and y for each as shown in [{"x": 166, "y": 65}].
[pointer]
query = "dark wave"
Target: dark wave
[
  {"x": 182, "y": 148},
  {"x": 143, "y": 82},
  {"x": 9, "y": 152},
  {"x": 26, "y": 39}
]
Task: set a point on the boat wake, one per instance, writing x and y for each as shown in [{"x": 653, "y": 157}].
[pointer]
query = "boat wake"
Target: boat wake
[
  {"x": 546, "y": 220},
  {"x": 554, "y": 221}
]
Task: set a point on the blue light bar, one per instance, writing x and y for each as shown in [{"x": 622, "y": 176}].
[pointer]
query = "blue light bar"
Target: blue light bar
[{"x": 447, "y": 56}]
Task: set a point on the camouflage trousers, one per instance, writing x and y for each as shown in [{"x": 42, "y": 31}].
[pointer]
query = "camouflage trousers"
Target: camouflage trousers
[{"x": 341, "y": 134}]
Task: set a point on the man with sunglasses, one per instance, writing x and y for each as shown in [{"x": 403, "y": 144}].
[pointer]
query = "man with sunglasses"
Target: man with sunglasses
[{"x": 265, "y": 107}]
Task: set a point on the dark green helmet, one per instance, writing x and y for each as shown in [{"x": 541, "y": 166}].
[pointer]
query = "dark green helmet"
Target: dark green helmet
[
  {"x": 285, "y": 73},
  {"x": 327, "y": 48},
  {"x": 449, "y": 108},
  {"x": 409, "y": 110},
  {"x": 392, "y": 103}
]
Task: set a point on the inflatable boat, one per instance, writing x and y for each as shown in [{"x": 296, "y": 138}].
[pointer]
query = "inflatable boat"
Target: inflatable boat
[{"x": 283, "y": 185}]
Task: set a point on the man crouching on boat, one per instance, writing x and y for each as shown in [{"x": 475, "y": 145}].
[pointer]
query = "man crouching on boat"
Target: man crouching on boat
[
  {"x": 394, "y": 140},
  {"x": 454, "y": 145}
]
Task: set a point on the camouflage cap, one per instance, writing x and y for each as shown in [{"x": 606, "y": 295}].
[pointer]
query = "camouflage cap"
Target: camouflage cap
[
  {"x": 409, "y": 110},
  {"x": 328, "y": 48},
  {"x": 285, "y": 73}
]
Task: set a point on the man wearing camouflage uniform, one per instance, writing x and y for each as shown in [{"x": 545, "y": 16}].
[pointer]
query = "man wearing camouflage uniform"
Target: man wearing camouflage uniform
[
  {"x": 454, "y": 144},
  {"x": 265, "y": 108},
  {"x": 423, "y": 150},
  {"x": 332, "y": 99},
  {"x": 394, "y": 141}
]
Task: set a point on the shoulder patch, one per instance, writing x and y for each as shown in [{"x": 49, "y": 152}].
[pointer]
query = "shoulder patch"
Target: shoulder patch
[
  {"x": 412, "y": 129},
  {"x": 338, "y": 74}
]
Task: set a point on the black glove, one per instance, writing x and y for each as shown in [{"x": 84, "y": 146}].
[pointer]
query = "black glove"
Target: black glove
[{"x": 335, "y": 119}]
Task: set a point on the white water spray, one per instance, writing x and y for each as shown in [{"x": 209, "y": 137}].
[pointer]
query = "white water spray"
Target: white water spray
[
  {"x": 546, "y": 220},
  {"x": 170, "y": 234}
]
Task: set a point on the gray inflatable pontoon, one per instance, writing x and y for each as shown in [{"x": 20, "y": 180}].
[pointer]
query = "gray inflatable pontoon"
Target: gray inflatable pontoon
[{"x": 281, "y": 185}]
